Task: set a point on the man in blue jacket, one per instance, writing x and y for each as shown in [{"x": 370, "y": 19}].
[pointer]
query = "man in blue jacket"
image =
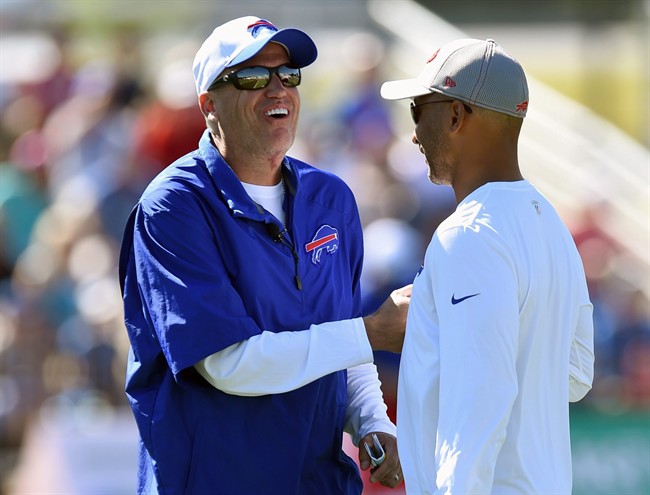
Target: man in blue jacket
[{"x": 240, "y": 273}]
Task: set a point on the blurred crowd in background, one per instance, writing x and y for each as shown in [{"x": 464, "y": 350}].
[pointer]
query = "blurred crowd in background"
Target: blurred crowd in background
[{"x": 80, "y": 141}]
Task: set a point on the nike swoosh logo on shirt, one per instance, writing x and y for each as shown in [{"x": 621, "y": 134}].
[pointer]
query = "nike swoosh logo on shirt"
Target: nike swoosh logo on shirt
[{"x": 461, "y": 299}]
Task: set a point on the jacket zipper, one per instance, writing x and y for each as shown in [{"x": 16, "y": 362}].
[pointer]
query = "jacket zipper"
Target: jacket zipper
[{"x": 287, "y": 242}]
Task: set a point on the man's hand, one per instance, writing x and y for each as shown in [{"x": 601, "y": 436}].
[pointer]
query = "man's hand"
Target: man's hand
[
  {"x": 389, "y": 473},
  {"x": 386, "y": 327}
]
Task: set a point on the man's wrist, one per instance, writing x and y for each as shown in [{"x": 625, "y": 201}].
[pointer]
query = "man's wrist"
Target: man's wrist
[{"x": 371, "y": 332}]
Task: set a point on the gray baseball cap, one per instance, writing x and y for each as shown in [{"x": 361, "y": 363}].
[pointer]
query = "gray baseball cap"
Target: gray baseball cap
[{"x": 474, "y": 71}]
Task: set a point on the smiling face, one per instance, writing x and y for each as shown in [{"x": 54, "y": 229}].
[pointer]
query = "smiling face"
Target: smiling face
[{"x": 256, "y": 126}]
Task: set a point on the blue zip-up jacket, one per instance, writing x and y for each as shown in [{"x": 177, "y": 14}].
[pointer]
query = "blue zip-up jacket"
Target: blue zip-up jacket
[{"x": 202, "y": 267}]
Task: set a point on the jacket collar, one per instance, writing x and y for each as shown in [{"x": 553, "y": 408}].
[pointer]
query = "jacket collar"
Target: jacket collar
[{"x": 230, "y": 187}]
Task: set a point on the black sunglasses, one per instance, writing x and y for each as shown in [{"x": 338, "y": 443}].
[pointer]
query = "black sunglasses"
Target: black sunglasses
[
  {"x": 258, "y": 77},
  {"x": 415, "y": 114}
]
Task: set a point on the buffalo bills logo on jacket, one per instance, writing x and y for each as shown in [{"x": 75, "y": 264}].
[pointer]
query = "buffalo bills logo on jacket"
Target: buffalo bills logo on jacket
[{"x": 326, "y": 238}]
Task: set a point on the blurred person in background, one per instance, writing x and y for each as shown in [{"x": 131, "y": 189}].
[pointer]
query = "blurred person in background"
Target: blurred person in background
[
  {"x": 240, "y": 272},
  {"x": 499, "y": 335},
  {"x": 58, "y": 343}
]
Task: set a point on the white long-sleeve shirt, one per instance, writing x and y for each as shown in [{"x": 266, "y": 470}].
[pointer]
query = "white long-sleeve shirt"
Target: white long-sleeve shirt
[
  {"x": 499, "y": 339},
  {"x": 274, "y": 363}
]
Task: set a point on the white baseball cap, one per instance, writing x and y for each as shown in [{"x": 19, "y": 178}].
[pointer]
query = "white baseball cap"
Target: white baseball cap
[
  {"x": 474, "y": 71},
  {"x": 240, "y": 39}
]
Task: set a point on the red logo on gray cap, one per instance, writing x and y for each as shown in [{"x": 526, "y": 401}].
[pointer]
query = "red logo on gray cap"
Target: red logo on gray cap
[{"x": 449, "y": 82}]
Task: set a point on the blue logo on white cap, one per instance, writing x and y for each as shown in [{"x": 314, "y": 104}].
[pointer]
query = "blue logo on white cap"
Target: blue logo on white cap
[{"x": 260, "y": 25}]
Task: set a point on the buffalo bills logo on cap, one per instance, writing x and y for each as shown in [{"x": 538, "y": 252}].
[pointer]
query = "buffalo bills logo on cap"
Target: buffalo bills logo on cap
[
  {"x": 258, "y": 26},
  {"x": 326, "y": 238}
]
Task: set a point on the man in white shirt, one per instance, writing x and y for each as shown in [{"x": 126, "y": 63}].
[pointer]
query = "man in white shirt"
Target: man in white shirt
[{"x": 499, "y": 335}]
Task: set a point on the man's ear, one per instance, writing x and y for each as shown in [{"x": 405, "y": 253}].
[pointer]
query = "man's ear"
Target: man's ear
[
  {"x": 458, "y": 115},
  {"x": 206, "y": 103}
]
